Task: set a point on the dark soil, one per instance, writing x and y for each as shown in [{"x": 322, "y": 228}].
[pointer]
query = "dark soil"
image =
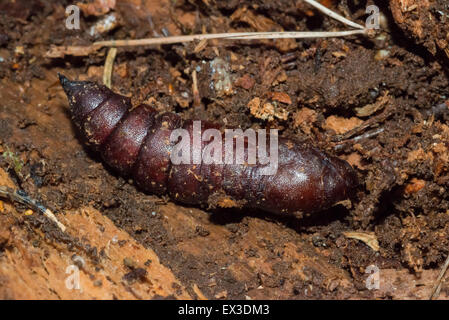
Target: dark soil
[{"x": 404, "y": 170}]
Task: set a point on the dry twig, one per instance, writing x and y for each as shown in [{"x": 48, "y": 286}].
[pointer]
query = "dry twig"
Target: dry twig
[
  {"x": 21, "y": 197},
  {"x": 109, "y": 64},
  {"x": 436, "y": 289},
  {"x": 228, "y": 36},
  {"x": 333, "y": 14}
]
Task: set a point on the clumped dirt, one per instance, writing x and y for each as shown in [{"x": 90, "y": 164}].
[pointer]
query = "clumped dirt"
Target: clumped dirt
[{"x": 380, "y": 102}]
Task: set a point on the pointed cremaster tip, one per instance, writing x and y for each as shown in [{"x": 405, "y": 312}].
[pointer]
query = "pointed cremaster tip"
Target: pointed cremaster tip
[
  {"x": 63, "y": 79},
  {"x": 66, "y": 84}
]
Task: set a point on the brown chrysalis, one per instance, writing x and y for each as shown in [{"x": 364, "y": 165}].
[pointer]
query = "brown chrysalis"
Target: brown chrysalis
[{"x": 136, "y": 143}]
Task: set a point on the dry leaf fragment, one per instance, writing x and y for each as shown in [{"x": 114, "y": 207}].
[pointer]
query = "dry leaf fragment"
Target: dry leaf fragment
[
  {"x": 266, "y": 111},
  {"x": 414, "y": 185},
  {"x": 341, "y": 125},
  {"x": 369, "y": 238},
  {"x": 304, "y": 119},
  {"x": 279, "y": 96},
  {"x": 97, "y": 7},
  {"x": 77, "y": 51},
  {"x": 245, "y": 82},
  {"x": 338, "y": 54},
  {"x": 369, "y": 109}
]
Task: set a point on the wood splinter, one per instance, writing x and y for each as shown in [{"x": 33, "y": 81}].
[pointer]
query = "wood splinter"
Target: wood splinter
[{"x": 21, "y": 197}]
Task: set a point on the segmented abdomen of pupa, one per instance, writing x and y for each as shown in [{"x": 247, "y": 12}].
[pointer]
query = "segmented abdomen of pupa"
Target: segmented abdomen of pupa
[{"x": 136, "y": 143}]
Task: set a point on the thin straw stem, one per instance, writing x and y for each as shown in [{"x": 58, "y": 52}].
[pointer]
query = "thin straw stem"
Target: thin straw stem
[
  {"x": 333, "y": 14},
  {"x": 230, "y": 36}
]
